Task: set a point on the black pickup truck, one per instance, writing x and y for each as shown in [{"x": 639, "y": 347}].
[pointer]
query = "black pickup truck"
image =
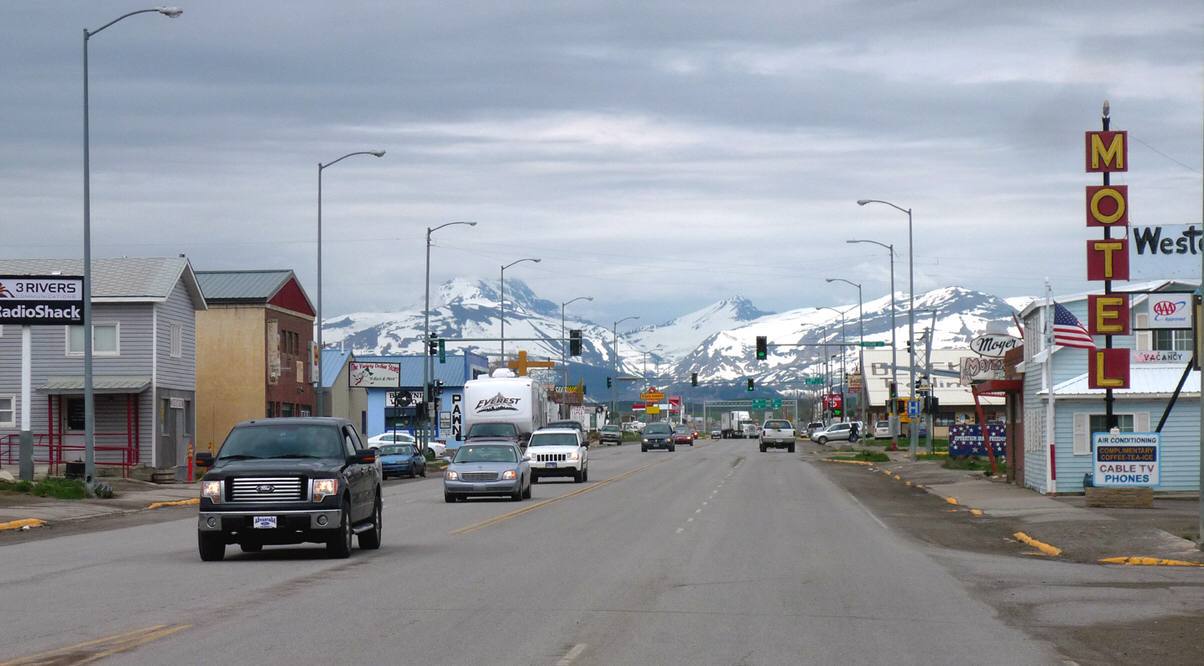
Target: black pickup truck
[{"x": 286, "y": 481}]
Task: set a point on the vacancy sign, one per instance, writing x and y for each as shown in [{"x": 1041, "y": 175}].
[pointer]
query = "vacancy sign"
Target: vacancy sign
[
  {"x": 41, "y": 300},
  {"x": 1126, "y": 459}
]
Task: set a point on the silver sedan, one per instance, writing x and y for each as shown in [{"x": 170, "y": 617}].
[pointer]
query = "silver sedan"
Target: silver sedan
[{"x": 487, "y": 467}]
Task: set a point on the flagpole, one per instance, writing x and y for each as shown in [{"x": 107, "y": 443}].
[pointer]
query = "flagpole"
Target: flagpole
[{"x": 1051, "y": 481}]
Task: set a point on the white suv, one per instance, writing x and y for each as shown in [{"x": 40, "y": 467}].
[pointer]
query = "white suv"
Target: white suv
[
  {"x": 777, "y": 433},
  {"x": 558, "y": 452},
  {"x": 836, "y": 431}
]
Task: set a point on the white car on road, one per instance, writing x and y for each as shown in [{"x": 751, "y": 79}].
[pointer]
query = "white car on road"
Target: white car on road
[
  {"x": 558, "y": 452},
  {"x": 377, "y": 441}
]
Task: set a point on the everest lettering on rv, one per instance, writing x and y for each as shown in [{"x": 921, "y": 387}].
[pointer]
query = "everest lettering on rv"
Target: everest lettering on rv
[{"x": 498, "y": 403}]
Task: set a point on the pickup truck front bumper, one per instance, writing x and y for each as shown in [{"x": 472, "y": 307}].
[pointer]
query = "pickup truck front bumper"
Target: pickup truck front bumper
[{"x": 300, "y": 519}]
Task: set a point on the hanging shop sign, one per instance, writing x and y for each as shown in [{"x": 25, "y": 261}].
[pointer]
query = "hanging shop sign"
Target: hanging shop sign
[
  {"x": 980, "y": 369},
  {"x": 994, "y": 345},
  {"x": 374, "y": 375}
]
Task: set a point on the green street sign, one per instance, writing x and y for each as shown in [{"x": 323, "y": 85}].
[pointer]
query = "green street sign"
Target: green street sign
[
  {"x": 815, "y": 380},
  {"x": 758, "y": 403},
  {"x": 777, "y": 403},
  {"x": 873, "y": 343}
]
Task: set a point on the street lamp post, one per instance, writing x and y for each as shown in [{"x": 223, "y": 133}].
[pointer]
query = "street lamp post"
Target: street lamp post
[
  {"x": 614, "y": 360},
  {"x": 502, "y": 301},
  {"x": 89, "y": 393},
  {"x": 321, "y": 168},
  {"x": 427, "y": 370},
  {"x": 864, "y": 392},
  {"x": 564, "y": 345},
  {"x": 892, "y": 387},
  {"x": 911, "y": 317}
]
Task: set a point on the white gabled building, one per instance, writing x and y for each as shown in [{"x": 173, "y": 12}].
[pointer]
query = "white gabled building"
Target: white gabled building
[{"x": 1079, "y": 410}]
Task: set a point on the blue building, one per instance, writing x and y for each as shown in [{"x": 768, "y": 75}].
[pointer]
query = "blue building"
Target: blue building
[
  {"x": 1157, "y": 361},
  {"x": 386, "y": 404}
]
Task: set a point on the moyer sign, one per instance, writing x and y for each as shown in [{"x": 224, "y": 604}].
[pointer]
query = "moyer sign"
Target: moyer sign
[
  {"x": 1126, "y": 458},
  {"x": 993, "y": 345},
  {"x": 41, "y": 300}
]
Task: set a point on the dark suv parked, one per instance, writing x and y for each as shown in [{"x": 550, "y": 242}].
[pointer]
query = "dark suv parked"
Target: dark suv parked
[{"x": 286, "y": 481}]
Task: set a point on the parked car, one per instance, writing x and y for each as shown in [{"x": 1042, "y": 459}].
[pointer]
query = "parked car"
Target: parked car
[
  {"x": 814, "y": 426},
  {"x": 834, "y": 432},
  {"x": 881, "y": 430},
  {"x": 612, "y": 433},
  {"x": 286, "y": 481},
  {"x": 777, "y": 433},
  {"x": 558, "y": 452},
  {"x": 657, "y": 436},
  {"x": 391, "y": 437},
  {"x": 487, "y": 467},
  {"x": 496, "y": 430},
  {"x": 399, "y": 459},
  {"x": 683, "y": 435}
]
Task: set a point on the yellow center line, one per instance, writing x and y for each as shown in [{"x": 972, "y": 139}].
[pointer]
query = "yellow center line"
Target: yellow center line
[
  {"x": 96, "y": 649},
  {"x": 551, "y": 500}
]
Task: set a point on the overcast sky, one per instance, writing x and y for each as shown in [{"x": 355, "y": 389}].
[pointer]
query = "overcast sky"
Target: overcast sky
[{"x": 655, "y": 155}]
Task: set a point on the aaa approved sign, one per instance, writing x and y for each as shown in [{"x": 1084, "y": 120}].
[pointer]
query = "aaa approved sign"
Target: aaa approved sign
[
  {"x": 1126, "y": 459},
  {"x": 41, "y": 300}
]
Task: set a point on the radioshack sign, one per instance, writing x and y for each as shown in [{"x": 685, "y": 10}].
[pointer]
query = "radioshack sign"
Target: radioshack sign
[{"x": 41, "y": 300}]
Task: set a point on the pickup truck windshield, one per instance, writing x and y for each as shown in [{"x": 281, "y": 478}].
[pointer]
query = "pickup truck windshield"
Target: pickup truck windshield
[
  {"x": 470, "y": 454},
  {"x": 492, "y": 430},
  {"x": 553, "y": 439},
  {"x": 282, "y": 441}
]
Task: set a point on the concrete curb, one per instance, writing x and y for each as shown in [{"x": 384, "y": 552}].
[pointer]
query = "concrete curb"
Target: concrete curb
[
  {"x": 1052, "y": 551},
  {"x": 22, "y": 524},
  {"x": 1138, "y": 560},
  {"x": 183, "y": 502},
  {"x": 847, "y": 462}
]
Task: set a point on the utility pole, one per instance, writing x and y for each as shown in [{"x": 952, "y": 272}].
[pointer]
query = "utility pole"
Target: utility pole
[{"x": 928, "y": 377}]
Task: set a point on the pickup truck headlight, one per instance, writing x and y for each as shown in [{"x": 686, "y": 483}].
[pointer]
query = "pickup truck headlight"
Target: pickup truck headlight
[
  {"x": 212, "y": 490},
  {"x": 452, "y": 476},
  {"x": 645, "y": 440},
  {"x": 324, "y": 488},
  {"x": 509, "y": 475}
]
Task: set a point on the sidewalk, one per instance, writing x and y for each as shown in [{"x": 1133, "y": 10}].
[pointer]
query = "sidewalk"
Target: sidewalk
[
  {"x": 1081, "y": 533},
  {"x": 131, "y": 496}
]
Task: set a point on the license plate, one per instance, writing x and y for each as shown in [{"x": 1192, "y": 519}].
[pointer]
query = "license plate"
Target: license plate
[
  {"x": 551, "y": 464},
  {"x": 264, "y": 522}
]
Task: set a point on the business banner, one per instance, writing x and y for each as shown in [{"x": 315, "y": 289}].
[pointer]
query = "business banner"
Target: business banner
[
  {"x": 965, "y": 439},
  {"x": 375, "y": 375},
  {"x": 41, "y": 300}
]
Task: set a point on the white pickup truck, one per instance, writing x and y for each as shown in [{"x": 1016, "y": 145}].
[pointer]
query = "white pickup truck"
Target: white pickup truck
[
  {"x": 558, "y": 452},
  {"x": 777, "y": 433}
]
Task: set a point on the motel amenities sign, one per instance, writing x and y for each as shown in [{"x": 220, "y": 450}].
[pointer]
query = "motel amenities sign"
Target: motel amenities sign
[
  {"x": 41, "y": 300},
  {"x": 1126, "y": 459}
]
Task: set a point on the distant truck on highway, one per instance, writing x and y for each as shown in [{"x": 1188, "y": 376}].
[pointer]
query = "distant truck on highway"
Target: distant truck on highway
[{"x": 731, "y": 424}]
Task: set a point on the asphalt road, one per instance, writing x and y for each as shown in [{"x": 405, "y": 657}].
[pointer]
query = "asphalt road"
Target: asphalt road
[{"x": 711, "y": 555}]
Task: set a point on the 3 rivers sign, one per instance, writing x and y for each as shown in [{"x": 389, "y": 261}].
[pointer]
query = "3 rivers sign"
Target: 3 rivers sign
[
  {"x": 1126, "y": 459},
  {"x": 41, "y": 300}
]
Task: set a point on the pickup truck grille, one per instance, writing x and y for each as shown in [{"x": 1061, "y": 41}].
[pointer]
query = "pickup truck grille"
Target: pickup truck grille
[
  {"x": 551, "y": 457},
  {"x": 479, "y": 476},
  {"x": 267, "y": 489}
]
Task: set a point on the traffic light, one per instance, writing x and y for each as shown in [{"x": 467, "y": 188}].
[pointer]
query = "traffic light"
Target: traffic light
[
  {"x": 442, "y": 351},
  {"x": 751, "y": 385},
  {"x": 608, "y": 383},
  {"x": 575, "y": 342},
  {"x": 931, "y": 404},
  {"x": 693, "y": 379},
  {"x": 432, "y": 347},
  {"x": 762, "y": 347}
]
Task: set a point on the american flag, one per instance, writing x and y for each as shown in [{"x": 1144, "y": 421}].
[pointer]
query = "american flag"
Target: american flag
[{"x": 1067, "y": 330}]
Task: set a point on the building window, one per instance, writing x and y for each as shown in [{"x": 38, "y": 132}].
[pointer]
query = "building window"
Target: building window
[
  {"x": 1099, "y": 422},
  {"x": 75, "y": 413},
  {"x": 106, "y": 339},
  {"x": 1169, "y": 339},
  {"x": 177, "y": 340},
  {"x": 286, "y": 409},
  {"x": 8, "y": 410},
  {"x": 1086, "y": 424}
]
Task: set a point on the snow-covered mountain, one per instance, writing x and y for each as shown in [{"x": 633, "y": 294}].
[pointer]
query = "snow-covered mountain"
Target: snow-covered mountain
[
  {"x": 717, "y": 342},
  {"x": 463, "y": 308},
  {"x": 729, "y": 355},
  {"x": 677, "y": 337}
]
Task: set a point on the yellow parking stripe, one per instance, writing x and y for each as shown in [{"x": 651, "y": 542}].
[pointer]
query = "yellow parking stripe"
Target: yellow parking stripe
[{"x": 100, "y": 648}]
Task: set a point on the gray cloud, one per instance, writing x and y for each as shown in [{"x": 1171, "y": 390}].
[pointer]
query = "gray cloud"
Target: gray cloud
[{"x": 656, "y": 155}]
